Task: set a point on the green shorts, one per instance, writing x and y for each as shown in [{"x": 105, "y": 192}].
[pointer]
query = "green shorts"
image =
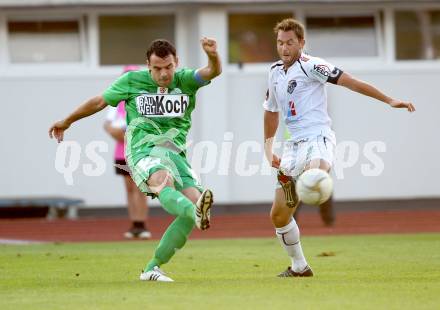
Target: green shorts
[{"x": 160, "y": 158}]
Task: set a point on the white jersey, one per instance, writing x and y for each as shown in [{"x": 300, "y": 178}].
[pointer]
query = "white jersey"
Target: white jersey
[
  {"x": 116, "y": 118},
  {"x": 300, "y": 94}
]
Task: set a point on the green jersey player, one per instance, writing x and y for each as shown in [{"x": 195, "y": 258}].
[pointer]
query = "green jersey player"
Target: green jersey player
[{"x": 159, "y": 103}]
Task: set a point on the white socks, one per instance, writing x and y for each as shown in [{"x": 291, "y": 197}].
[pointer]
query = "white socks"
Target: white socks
[{"x": 289, "y": 239}]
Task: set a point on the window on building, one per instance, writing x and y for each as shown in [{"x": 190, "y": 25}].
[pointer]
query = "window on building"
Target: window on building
[
  {"x": 341, "y": 36},
  {"x": 251, "y": 37},
  {"x": 125, "y": 39},
  {"x": 417, "y": 35},
  {"x": 44, "y": 41}
]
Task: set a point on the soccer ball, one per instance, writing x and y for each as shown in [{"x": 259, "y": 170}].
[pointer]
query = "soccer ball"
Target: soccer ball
[{"x": 314, "y": 186}]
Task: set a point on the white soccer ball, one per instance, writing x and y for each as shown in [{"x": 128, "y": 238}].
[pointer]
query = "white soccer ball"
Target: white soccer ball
[{"x": 314, "y": 186}]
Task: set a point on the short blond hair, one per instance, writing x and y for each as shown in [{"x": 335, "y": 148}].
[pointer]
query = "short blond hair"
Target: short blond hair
[{"x": 290, "y": 24}]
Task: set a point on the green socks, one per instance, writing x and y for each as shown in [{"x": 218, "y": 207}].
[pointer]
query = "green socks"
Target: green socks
[
  {"x": 174, "y": 238},
  {"x": 176, "y": 203}
]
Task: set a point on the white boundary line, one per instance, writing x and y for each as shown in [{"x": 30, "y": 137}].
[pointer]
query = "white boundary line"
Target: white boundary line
[{"x": 18, "y": 242}]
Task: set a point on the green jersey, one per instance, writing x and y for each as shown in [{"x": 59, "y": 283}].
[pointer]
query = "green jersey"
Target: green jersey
[{"x": 155, "y": 115}]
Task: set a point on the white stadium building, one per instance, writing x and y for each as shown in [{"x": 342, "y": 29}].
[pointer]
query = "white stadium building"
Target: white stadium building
[{"x": 54, "y": 54}]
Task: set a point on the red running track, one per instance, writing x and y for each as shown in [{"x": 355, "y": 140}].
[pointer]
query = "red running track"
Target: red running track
[{"x": 223, "y": 226}]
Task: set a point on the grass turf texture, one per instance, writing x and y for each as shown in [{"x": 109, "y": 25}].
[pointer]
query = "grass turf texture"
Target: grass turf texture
[{"x": 365, "y": 272}]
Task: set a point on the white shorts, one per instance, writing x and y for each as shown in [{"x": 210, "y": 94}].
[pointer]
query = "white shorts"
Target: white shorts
[{"x": 298, "y": 154}]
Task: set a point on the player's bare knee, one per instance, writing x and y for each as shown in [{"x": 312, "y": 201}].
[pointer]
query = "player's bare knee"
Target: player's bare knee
[
  {"x": 159, "y": 180},
  {"x": 318, "y": 163},
  {"x": 279, "y": 217},
  {"x": 192, "y": 194},
  {"x": 324, "y": 165},
  {"x": 279, "y": 220}
]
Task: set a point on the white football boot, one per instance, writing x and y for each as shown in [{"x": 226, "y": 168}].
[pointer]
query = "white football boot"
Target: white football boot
[{"x": 155, "y": 275}]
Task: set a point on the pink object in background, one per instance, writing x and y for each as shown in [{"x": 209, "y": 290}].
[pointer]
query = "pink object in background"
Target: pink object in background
[
  {"x": 120, "y": 115},
  {"x": 117, "y": 116},
  {"x": 131, "y": 68}
]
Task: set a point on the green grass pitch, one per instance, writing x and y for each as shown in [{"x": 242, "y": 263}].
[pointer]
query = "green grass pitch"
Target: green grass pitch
[{"x": 365, "y": 272}]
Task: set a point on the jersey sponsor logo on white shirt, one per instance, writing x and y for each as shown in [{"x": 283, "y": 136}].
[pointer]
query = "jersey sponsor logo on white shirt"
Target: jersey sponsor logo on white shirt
[
  {"x": 157, "y": 105},
  {"x": 299, "y": 94},
  {"x": 322, "y": 69}
]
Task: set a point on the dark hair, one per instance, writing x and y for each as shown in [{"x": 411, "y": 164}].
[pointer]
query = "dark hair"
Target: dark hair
[
  {"x": 161, "y": 48},
  {"x": 290, "y": 24}
]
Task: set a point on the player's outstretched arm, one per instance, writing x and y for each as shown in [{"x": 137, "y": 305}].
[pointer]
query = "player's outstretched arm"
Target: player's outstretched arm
[
  {"x": 369, "y": 90},
  {"x": 88, "y": 108},
  {"x": 270, "y": 129},
  {"x": 214, "y": 67}
]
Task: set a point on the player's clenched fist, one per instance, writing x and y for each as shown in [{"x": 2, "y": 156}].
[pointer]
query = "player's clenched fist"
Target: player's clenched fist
[{"x": 209, "y": 46}]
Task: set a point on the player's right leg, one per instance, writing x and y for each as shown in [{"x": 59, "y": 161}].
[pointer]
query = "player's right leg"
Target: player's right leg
[
  {"x": 163, "y": 176},
  {"x": 283, "y": 208},
  {"x": 174, "y": 202},
  {"x": 179, "y": 204},
  {"x": 287, "y": 183},
  {"x": 288, "y": 234}
]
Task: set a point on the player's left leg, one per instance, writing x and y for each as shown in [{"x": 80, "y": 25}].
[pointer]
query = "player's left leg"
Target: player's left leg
[
  {"x": 191, "y": 187},
  {"x": 327, "y": 212},
  {"x": 323, "y": 153},
  {"x": 203, "y": 202},
  {"x": 318, "y": 163}
]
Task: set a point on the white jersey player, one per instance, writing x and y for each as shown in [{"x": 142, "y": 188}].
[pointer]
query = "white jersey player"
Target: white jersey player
[
  {"x": 299, "y": 93},
  {"x": 297, "y": 90}
]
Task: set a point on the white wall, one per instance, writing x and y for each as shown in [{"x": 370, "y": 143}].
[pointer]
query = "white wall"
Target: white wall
[
  {"x": 29, "y": 107},
  {"x": 31, "y": 104},
  {"x": 411, "y": 140},
  {"x": 32, "y": 101}
]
